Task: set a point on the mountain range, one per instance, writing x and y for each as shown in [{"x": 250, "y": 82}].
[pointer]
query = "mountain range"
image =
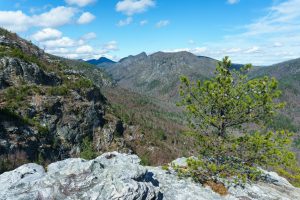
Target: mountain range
[
  {"x": 157, "y": 75},
  {"x": 53, "y": 108}
]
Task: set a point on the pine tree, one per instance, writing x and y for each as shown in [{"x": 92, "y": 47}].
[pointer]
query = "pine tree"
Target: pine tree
[{"x": 229, "y": 99}]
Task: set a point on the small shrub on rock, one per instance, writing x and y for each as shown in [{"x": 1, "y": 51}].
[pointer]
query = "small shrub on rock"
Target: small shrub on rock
[{"x": 87, "y": 151}]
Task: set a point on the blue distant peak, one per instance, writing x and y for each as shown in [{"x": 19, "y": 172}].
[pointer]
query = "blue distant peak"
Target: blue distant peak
[{"x": 100, "y": 61}]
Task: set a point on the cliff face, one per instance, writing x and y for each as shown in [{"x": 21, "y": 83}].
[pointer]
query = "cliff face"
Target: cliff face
[
  {"x": 120, "y": 176},
  {"x": 48, "y": 106}
]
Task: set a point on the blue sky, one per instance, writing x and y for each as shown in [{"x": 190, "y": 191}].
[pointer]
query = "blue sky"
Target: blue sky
[{"x": 258, "y": 31}]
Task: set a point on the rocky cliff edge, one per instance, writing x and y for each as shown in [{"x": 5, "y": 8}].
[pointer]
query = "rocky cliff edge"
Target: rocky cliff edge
[{"x": 120, "y": 176}]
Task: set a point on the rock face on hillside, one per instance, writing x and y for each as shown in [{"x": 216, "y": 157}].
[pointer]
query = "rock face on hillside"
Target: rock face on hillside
[
  {"x": 61, "y": 122},
  {"x": 14, "y": 70},
  {"x": 120, "y": 176},
  {"x": 49, "y": 106}
]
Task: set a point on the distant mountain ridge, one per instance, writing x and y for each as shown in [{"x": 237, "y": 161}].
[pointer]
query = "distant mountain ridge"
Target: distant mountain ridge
[
  {"x": 158, "y": 74},
  {"x": 101, "y": 60}
]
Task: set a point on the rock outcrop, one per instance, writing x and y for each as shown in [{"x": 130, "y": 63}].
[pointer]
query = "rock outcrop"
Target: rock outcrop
[
  {"x": 14, "y": 70},
  {"x": 49, "y": 105},
  {"x": 120, "y": 176}
]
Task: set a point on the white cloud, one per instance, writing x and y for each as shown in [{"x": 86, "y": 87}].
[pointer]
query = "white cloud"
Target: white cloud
[
  {"x": 46, "y": 34},
  {"x": 143, "y": 22},
  {"x": 14, "y": 20},
  {"x": 269, "y": 39},
  {"x": 79, "y": 48},
  {"x": 40, "y": 9},
  {"x": 197, "y": 50},
  {"x": 254, "y": 49},
  {"x": 58, "y": 51},
  {"x": 61, "y": 42},
  {"x": 232, "y": 1},
  {"x": 80, "y": 3},
  {"x": 131, "y": 7},
  {"x": 125, "y": 22},
  {"x": 111, "y": 46},
  {"x": 162, "y": 23},
  {"x": 233, "y": 50},
  {"x": 86, "y": 18},
  {"x": 277, "y": 44},
  {"x": 55, "y": 17},
  {"x": 85, "y": 49},
  {"x": 89, "y": 36},
  {"x": 19, "y": 22},
  {"x": 284, "y": 17}
]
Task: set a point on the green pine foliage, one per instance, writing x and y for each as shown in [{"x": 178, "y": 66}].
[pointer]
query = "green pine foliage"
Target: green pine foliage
[
  {"x": 216, "y": 108},
  {"x": 229, "y": 99}
]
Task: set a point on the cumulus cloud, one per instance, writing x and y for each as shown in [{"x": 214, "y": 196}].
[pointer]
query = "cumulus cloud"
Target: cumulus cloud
[
  {"x": 131, "y": 7},
  {"x": 233, "y": 1},
  {"x": 79, "y": 48},
  {"x": 89, "y": 36},
  {"x": 46, "y": 34},
  {"x": 111, "y": 46},
  {"x": 80, "y": 3},
  {"x": 198, "y": 50},
  {"x": 58, "y": 51},
  {"x": 162, "y": 23},
  {"x": 85, "y": 49},
  {"x": 14, "y": 20},
  {"x": 19, "y": 22},
  {"x": 86, "y": 18},
  {"x": 55, "y": 17},
  {"x": 60, "y": 43},
  {"x": 125, "y": 22}
]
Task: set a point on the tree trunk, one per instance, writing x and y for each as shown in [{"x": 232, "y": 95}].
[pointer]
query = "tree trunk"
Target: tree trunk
[{"x": 222, "y": 131}]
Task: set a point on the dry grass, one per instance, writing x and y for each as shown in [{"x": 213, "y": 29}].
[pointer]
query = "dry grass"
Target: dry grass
[{"x": 217, "y": 187}]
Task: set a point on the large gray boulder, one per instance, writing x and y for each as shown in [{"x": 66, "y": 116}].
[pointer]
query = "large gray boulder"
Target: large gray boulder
[
  {"x": 110, "y": 176},
  {"x": 120, "y": 176}
]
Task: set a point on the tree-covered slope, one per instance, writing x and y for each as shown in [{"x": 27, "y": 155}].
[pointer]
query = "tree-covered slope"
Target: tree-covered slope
[{"x": 158, "y": 74}]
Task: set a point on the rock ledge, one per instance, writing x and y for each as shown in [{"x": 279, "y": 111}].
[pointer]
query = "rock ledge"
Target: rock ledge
[{"x": 120, "y": 176}]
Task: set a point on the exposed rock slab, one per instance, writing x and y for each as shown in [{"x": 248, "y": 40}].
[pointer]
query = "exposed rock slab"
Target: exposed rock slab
[{"x": 120, "y": 176}]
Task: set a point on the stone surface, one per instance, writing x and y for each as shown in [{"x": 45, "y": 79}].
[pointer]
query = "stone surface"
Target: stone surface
[
  {"x": 16, "y": 71},
  {"x": 120, "y": 176}
]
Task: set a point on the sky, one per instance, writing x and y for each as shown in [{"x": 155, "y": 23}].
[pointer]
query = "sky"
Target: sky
[{"x": 261, "y": 32}]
